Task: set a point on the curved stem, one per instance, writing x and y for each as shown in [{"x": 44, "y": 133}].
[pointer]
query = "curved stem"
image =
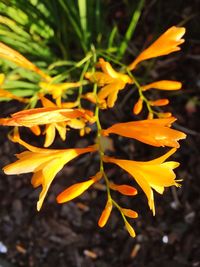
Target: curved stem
[{"x": 140, "y": 92}]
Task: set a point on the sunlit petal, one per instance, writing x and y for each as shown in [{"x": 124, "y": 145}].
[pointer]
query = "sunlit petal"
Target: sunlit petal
[
  {"x": 155, "y": 132},
  {"x": 167, "y": 43},
  {"x": 155, "y": 174}
]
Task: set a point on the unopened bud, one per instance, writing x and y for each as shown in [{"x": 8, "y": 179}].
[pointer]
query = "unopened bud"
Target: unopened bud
[{"x": 138, "y": 106}]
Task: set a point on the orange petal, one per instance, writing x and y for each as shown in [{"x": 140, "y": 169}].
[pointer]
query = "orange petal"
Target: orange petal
[
  {"x": 57, "y": 89},
  {"x": 108, "y": 69},
  {"x": 110, "y": 92},
  {"x": 99, "y": 77},
  {"x": 62, "y": 130},
  {"x": 50, "y": 133},
  {"x": 36, "y": 130},
  {"x": 76, "y": 124},
  {"x": 155, "y": 132},
  {"x": 46, "y": 102},
  {"x": 39, "y": 116}
]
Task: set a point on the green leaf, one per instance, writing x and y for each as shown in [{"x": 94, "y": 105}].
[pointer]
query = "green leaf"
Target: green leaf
[{"x": 131, "y": 29}]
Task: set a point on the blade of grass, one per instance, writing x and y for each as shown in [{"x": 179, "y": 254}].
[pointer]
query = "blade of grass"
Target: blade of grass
[
  {"x": 97, "y": 17},
  {"x": 82, "y": 5},
  {"x": 13, "y": 26},
  {"x": 20, "y": 84},
  {"x": 74, "y": 24},
  {"x": 61, "y": 63},
  {"x": 131, "y": 29},
  {"x": 64, "y": 75},
  {"x": 112, "y": 36}
]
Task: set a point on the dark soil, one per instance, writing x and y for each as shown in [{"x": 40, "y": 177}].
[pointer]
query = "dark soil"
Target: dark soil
[{"x": 67, "y": 235}]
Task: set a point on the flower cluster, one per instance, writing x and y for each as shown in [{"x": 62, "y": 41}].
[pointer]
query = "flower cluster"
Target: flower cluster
[{"x": 98, "y": 88}]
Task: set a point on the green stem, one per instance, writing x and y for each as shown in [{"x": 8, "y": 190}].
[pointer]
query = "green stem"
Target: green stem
[
  {"x": 140, "y": 92},
  {"x": 81, "y": 81}
]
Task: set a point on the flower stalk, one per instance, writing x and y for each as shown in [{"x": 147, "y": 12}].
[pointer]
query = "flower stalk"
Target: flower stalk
[{"x": 59, "y": 107}]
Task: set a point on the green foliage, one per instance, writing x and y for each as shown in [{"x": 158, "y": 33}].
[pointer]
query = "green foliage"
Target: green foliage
[{"x": 55, "y": 35}]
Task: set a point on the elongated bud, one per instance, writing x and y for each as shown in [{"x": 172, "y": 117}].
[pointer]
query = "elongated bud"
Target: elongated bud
[
  {"x": 129, "y": 213},
  {"x": 77, "y": 189},
  {"x": 130, "y": 229},
  {"x": 124, "y": 189},
  {"x": 163, "y": 85},
  {"x": 105, "y": 214},
  {"x": 165, "y": 115},
  {"x": 138, "y": 106},
  {"x": 167, "y": 43},
  {"x": 159, "y": 102}
]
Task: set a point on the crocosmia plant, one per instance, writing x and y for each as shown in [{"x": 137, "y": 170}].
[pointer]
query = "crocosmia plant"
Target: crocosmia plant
[{"x": 76, "y": 104}]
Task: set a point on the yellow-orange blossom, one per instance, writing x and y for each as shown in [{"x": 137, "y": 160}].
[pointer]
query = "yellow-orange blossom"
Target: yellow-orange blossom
[
  {"x": 155, "y": 174},
  {"x": 155, "y": 132},
  {"x": 167, "y": 43},
  {"x": 44, "y": 163}
]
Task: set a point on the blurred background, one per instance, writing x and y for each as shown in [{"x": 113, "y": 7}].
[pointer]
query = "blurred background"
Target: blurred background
[{"x": 67, "y": 235}]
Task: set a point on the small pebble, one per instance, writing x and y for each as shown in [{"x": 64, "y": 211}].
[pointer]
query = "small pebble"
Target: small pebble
[
  {"x": 3, "y": 248},
  {"x": 165, "y": 239}
]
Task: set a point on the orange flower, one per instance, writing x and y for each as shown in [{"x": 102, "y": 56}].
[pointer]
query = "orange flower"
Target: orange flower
[
  {"x": 155, "y": 174},
  {"x": 44, "y": 163},
  {"x": 110, "y": 80},
  {"x": 58, "y": 89},
  {"x": 163, "y": 85},
  {"x": 167, "y": 43},
  {"x": 77, "y": 189},
  {"x": 155, "y": 132},
  {"x": 10, "y": 54},
  {"x": 39, "y": 116},
  {"x": 50, "y": 129},
  {"x": 91, "y": 96}
]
